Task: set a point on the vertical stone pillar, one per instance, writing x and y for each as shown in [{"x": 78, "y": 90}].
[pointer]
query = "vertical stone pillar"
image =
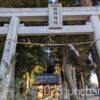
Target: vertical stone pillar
[
  {"x": 8, "y": 59},
  {"x": 96, "y": 25}
]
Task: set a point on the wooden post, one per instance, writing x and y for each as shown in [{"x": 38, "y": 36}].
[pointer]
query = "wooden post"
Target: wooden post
[{"x": 8, "y": 59}]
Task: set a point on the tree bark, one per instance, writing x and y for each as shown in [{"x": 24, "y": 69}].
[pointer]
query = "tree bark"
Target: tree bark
[
  {"x": 86, "y": 3},
  {"x": 68, "y": 79}
]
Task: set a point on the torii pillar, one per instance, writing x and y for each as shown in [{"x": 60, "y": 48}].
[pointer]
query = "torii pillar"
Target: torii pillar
[
  {"x": 96, "y": 26},
  {"x": 8, "y": 60}
]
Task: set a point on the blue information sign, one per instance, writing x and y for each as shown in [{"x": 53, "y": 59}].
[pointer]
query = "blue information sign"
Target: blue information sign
[{"x": 48, "y": 79}]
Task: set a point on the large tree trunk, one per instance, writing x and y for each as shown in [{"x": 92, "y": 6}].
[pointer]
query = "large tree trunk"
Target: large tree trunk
[
  {"x": 68, "y": 79},
  {"x": 86, "y": 3}
]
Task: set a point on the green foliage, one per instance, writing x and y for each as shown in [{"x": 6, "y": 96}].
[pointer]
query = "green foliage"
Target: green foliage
[
  {"x": 32, "y": 3},
  {"x": 23, "y": 3},
  {"x": 57, "y": 69},
  {"x": 2, "y": 41},
  {"x": 68, "y": 2}
]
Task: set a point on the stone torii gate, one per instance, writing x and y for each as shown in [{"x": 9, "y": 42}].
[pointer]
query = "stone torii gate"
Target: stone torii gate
[{"x": 55, "y": 16}]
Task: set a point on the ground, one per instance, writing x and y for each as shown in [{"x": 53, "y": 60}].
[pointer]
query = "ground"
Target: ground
[{"x": 93, "y": 98}]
